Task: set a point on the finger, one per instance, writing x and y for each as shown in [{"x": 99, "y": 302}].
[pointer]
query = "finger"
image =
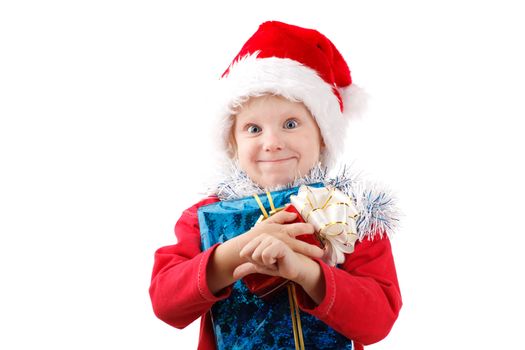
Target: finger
[
  {"x": 248, "y": 249},
  {"x": 266, "y": 271},
  {"x": 299, "y": 228},
  {"x": 282, "y": 217},
  {"x": 244, "y": 270},
  {"x": 273, "y": 252},
  {"x": 263, "y": 245},
  {"x": 248, "y": 268},
  {"x": 305, "y": 248}
]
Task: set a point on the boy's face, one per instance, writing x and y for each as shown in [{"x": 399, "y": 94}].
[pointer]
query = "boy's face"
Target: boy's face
[{"x": 275, "y": 140}]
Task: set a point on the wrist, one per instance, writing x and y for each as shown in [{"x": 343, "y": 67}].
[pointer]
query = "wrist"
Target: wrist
[
  {"x": 308, "y": 274},
  {"x": 223, "y": 261},
  {"x": 227, "y": 254},
  {"x": 311, "y": 279}
]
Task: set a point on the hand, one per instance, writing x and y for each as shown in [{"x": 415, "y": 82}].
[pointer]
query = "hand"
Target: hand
[
  {"x": 271, "y": 256},
  {"x": 279, "y": 227},
  {"x": 226, "y": 258}
]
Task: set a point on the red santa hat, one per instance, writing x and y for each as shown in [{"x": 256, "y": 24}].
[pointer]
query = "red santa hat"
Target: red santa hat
[{"x": 299, "y": 64}]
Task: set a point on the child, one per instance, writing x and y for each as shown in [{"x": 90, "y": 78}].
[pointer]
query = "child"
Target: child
[{"x": 282, "y": 126}]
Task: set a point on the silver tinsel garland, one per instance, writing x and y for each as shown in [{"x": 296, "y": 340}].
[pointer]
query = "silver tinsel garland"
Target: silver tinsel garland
[{"x": 378, "y": 213}]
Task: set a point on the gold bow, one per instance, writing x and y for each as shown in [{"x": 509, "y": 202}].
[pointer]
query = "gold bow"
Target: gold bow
[{"x": 333, "y": 215}]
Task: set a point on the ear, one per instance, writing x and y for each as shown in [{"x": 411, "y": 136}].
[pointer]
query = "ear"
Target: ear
[
  {"x": 232, "y": 145},
  {"x": 322, "y": 145},
  {"x": 232, "y": 151}
]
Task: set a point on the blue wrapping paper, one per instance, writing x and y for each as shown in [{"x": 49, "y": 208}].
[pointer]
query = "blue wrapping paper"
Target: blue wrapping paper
[{"x": 245, "y": 321}]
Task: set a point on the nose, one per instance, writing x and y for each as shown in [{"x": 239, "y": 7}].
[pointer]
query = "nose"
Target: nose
[{"x": 273, "y": 141}]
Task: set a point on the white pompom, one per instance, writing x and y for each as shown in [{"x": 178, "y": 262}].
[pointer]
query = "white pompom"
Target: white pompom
[{"x": 355, "y": 101}]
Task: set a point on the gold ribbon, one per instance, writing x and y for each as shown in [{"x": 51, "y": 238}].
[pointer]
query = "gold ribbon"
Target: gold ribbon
[
  {"x": 265, "y": 214},
  {"x": 292, "y": 297},
  {"x": 296, "y": 317},
  {"x": 261, "y": 206}
]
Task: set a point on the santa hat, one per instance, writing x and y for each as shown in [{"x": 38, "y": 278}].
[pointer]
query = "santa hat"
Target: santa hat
[{"x": 301, "y": 65}]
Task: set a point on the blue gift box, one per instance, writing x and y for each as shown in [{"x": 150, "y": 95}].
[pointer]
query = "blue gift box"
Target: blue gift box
[{"x": 245, "y": 321}]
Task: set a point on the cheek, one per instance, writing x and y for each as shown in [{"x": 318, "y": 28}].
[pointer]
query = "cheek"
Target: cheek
[
  {"x": 311, "y": 144},
  {"x": 312, "y": 148},
  {"x": 245, "y": 152}
]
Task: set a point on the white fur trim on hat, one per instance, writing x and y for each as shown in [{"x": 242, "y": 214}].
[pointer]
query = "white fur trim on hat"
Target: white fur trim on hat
[{"x": 251, "y": 76}]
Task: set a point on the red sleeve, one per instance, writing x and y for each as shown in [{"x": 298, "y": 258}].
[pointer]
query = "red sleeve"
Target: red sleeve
[
  {"x": 362, "y": 297},
  {"x": 179, "y": 291}
]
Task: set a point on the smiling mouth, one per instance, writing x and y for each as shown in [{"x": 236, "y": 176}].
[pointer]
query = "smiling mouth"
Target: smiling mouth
[{"x": 276, "y": 160}]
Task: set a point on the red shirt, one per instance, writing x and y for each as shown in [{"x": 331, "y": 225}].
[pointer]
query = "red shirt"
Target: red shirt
[{"x": 362, "y": 298}]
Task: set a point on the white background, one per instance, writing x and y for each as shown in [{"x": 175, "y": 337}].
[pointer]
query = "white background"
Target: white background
[{"x": 102, "y": 146}]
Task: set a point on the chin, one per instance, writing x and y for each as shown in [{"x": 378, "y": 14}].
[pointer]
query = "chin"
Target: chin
[{"x": 276, "y": 180}]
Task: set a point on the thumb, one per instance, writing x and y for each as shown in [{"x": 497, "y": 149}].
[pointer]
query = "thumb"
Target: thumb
[
  {"x": 248, "y": 268},
  {"x": 244, "y": 270}
]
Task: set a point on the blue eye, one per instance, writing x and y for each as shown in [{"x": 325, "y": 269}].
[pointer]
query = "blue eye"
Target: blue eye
[
  {"x": 290, "y": 124},
  {"x": 253, "y": 129}
]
